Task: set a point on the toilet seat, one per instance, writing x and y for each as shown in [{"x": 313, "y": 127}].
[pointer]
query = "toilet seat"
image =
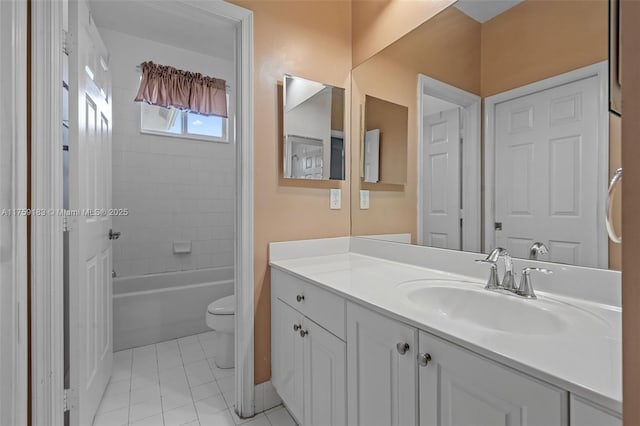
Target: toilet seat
[{"x": 223, "y": 306}]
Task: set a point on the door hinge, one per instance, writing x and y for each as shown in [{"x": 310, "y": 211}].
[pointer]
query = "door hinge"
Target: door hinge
[
  {"x": 66, "y": 43},
  {"x": 68, "y": 222},
  {"x": 498, "y": 226},
  {"x": 69, "y": 399}
]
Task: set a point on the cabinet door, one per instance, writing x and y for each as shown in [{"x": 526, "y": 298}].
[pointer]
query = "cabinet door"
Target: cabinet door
[
  {"x": 585, "y": 413},
  {"x": 459, "y": 388},
  {"x": 382, "y": 382},
  {"x": 287, "y": 356},
  {"x": 325, "y": 383}
]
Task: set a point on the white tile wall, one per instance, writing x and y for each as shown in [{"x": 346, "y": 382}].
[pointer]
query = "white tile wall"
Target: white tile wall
[{"x": 175, "y": 189}]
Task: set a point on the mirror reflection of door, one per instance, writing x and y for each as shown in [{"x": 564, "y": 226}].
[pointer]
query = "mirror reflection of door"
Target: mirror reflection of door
[
  {"x": 546, "y": 173},
  {"x": 442, "y": 165}
]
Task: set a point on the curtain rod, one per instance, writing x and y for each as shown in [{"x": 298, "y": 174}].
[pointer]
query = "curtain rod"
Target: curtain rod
[{"x": 139, "y": 69}]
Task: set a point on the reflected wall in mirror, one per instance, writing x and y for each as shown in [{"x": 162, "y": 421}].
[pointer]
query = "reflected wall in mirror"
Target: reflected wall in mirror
[
  {"x": 537, "y": 170},
  {"x": 313, "y": 117},
  {"x": 384, "y": 145}
]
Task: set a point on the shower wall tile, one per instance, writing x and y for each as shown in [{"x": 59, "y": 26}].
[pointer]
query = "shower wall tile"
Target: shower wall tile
[{"x": 175, "y": 189}]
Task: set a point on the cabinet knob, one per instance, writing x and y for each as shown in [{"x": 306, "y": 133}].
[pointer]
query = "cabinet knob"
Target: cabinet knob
[
  {"x": 300, "y": 298},
  {"x": 296, "y": 327},
  {"x": 303, "y": 333},
  {"x": 402, "y": 348},
  {"x": 423, "y": 359}
]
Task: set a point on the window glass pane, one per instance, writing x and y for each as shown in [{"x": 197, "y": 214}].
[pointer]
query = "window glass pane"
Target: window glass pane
[
  {"x": 160, "y": 119},
  {"x": 207, "y": 126}
]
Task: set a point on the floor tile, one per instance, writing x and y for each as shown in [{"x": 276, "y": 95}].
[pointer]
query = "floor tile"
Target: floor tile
[
  {"x": 112, "y": 418},
  {"x": 175, "y": 383},
  {"x": 171, "y": 402},
  {"x": 188, "y": 340},
  {"x": 257, "y": 420},
  {"x": 199, "y": 373},
  {"x": 218, "y": 372},
  {"x": 118, "y": 387},
  {"x": 210, "y": 406},
  {"x": 113, "y": 401},
  {"x": 155, "y": 420},
  {"x": 279, "y": 416},
  {"x": 209, "y": 335},
  {"x": 227, "y": 383},
  {"x": 192, "y": 353},
  {"x": 145, "y": 409},
  {"x": 205, "y": 391},
  {"x": 230, "y": 398},
  {"x": 140, "y": 395},
  {"x": 181, "y": 415},
  {"x": 221, "y": 418}
]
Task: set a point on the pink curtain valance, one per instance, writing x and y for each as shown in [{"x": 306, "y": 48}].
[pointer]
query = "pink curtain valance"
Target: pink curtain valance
[{"x": 170, "y": 87}]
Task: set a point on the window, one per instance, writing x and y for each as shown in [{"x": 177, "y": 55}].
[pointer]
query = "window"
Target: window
[{"x": 184, "y": 124}]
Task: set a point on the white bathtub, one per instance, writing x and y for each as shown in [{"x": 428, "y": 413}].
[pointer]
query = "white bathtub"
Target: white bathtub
[{"x": 155, "y": 308}]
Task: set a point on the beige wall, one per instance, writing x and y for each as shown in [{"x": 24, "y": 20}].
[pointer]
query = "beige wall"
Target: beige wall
[
  {"x": 538, "y": 39},
  {"x": 378, "y": 23},
  {"x": 630, "y": 17},
  {"x": 310, "y": 39},
  {"x": 391, "y": 119},
  {"x": 447, "y": 49}
]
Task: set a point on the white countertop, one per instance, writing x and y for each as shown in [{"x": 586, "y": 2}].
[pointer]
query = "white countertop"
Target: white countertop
[{"x": 585, "y": 360}]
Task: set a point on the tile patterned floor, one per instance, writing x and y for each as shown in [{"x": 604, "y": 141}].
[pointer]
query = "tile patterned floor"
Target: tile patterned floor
[{"x": 175, "y": 383}]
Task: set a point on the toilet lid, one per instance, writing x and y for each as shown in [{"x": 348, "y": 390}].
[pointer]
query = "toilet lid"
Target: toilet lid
[{"x": 224, "y": 306}]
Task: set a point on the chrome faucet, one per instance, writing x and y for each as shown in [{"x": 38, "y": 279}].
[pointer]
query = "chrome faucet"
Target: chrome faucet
[
  {"x": 508, "y": 282},
  {"x": 537, "y": 249},
  {"x": 525, "y": 289}
]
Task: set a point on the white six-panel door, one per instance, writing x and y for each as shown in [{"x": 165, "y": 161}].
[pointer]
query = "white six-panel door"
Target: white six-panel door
[
  {"x": 546, "y": 170},
  {"x": 90, "y": 260},
  {"x": 441, "y": 159}
]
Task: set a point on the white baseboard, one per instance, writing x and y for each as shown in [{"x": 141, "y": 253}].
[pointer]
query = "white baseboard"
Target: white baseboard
[{"x": 265, "y": 397}]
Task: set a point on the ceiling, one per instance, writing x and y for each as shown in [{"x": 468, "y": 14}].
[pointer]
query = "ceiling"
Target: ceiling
[
  {"x": 168, "y": 22},
  {"x": 484, "y": 10}
]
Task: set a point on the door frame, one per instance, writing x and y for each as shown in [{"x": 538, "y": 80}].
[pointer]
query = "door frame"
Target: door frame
[
  {"x": 471, "y": 157},
  {"x": 46, "y": 174},
  {"x": 13, "y": 274},
  {"x": 599, "y": 70}
]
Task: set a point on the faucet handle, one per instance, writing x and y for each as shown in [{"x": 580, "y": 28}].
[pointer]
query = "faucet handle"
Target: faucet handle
[
  {"x": 494, "y": 282},
  {"x": 526, "y": 287}
]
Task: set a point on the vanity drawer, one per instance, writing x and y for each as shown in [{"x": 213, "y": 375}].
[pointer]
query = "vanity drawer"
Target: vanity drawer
[{"x": 321, "y": 306}]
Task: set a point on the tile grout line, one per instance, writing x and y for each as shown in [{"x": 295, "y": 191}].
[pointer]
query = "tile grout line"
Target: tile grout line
[
  {"x": 130, "y": 384},
  {"x": 155, "y": 348},
  {"x": 184, "y": 367}
]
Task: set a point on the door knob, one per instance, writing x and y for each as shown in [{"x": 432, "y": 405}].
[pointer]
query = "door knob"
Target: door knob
[
  {"x": 296, "y": 327},
  {"x": 423, "y": 359},
  {"x": 300, "y": 298},
  {"x": 303, "y": 333},
  {"x": 114, "y": 235},
  {"x": 402, "y": 348}
]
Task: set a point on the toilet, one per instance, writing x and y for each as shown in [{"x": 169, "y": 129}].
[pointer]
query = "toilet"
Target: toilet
[{"x": 221, "y": 318}]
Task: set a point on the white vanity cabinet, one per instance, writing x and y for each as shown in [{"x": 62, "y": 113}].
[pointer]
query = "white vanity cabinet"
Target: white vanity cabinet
[
  {"x": 308, "y": 361},
  {"x": 381, "y": 370},
  {"x": 458, "y": 387},
  {"x": 585, "y": 413}
]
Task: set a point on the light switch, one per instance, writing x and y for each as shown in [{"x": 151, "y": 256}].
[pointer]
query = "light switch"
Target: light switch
[
  {"x": 336, "y": 199},
  {"x": 364, "y": 199}
]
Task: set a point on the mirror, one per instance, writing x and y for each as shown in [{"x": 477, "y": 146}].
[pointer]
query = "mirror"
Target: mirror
[
  {"x": 384, "y": 145},
  {"x": 508, "y": 131},
  {"x": 313, "y": 123}
]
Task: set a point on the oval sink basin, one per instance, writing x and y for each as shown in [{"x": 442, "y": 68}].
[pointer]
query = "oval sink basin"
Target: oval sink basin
[{"x": 470, "y": 302}]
